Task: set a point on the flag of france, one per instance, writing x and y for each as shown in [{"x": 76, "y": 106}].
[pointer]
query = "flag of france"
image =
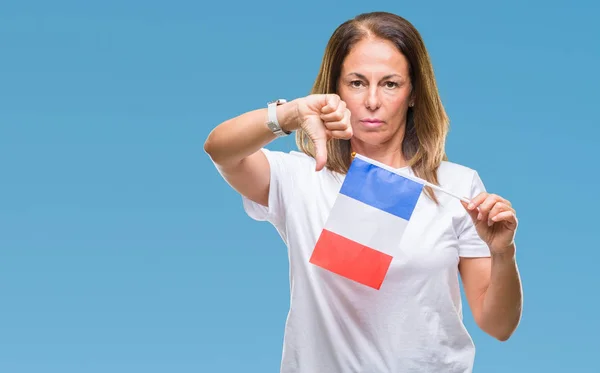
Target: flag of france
[{"x": 367, "y": 220}]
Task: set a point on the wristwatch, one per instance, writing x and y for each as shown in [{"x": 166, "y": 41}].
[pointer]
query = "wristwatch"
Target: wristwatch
[{"x": 272, "y": 122}]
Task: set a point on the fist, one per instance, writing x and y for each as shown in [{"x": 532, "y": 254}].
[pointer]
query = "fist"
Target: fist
[{"x": 322, "y": 117}]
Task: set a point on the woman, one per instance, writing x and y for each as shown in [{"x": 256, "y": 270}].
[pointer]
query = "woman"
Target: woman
[{"x": 376, "y": 95}]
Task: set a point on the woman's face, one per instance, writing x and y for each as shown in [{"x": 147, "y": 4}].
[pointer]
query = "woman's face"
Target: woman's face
[{"x": 376, "y": 87}]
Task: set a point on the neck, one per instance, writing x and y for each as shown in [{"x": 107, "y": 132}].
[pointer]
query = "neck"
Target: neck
[{"x": 389, "y": 153}]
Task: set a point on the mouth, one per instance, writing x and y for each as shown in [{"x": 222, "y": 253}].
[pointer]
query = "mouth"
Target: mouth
[{"x": 371, "y": 122}]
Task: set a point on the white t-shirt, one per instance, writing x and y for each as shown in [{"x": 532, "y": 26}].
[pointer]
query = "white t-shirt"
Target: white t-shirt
[{"x": 413, "y": 323}]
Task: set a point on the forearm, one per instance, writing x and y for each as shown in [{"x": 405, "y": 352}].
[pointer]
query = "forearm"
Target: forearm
[
  {"x": 502, "y": 303},
  {"x": 235, "y": 139}
]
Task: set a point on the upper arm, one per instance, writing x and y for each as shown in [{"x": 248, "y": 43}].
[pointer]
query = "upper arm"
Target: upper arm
[
  {"x": 475, "y": 274},
  {"x": 250, "y": 177}
]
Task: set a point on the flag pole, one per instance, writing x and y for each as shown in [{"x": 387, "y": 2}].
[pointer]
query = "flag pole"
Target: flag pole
[{"x": 425, "y": 182}]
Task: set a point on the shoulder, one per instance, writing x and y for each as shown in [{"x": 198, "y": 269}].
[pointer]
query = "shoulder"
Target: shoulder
[
  {"x": 449, "y": 170},
  {"x": 458, "y": 177}
]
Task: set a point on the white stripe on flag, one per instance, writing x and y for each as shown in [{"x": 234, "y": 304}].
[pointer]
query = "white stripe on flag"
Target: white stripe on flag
[{"x": 365, "y": 224}]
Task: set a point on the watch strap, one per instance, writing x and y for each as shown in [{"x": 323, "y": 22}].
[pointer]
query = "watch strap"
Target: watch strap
[{"x": 272, "y": 121}]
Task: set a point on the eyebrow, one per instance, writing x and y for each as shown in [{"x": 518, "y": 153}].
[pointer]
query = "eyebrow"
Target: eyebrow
[{"x": 361, "y": 76}]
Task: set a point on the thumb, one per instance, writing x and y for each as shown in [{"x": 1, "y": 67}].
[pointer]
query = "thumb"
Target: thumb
[
  {"x": 318, "y": 135},
  {"x": 320, "y": 144}
]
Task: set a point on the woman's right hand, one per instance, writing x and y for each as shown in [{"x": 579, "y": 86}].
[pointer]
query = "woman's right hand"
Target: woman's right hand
[{"x": 322, "y": 117}]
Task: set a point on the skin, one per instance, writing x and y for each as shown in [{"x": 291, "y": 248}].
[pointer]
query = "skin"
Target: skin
[{"x": 375, "y": 84}]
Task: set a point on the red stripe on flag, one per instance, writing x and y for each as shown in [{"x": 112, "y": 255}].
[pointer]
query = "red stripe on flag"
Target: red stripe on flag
[{"x": 350, "y": 259}]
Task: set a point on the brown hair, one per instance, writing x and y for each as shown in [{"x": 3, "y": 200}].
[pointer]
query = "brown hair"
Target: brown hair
[{"x": 426, "y": 123}]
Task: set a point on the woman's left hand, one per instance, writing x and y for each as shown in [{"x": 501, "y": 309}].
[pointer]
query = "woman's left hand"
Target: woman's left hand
[{"x": 495, "y": 221}]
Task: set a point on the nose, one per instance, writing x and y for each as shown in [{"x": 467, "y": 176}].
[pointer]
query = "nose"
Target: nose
[{"x": 372, "y": 101}]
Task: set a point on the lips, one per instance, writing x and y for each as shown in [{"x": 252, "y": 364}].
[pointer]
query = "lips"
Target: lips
[{"x": 372, "y": 123}]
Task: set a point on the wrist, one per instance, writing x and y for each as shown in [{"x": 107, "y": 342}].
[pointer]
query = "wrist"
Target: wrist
[
  {"x": 287, "y": 116},
  {"x": 507, "y": 253}
]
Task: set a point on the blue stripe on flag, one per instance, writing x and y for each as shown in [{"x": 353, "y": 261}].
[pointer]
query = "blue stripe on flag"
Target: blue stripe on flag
[{"x": 382, "y": 189}]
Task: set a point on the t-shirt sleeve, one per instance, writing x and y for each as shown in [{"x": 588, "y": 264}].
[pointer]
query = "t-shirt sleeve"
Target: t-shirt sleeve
[
  {"x": 280, "y": 189},
  {"x": 469, "y": 242}
]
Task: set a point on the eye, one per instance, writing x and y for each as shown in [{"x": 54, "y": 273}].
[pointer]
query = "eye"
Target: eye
[
  {"x": 356, "y": 84},
  {"x": 390, "y": 84}
]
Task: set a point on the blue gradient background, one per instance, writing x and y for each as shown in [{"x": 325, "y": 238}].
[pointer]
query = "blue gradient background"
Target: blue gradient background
[{"x": 122, "y": 250}]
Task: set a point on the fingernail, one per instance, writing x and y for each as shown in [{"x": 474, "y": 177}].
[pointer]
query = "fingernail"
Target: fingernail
[
  {"x": 479, "y": 216},
  {"x": 470, "y": 206}
]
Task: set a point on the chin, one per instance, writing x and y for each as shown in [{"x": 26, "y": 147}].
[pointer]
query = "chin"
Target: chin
[{"x": 372, "y": 137}]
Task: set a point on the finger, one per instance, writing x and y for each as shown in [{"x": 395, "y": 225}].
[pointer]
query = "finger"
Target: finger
[
  {"x": 508, "y": 218},
  {"x": 486, "y": 206},
  {"x": 336, "y": 126},
  {"x": 337, "y": 115},
  {"x": 331, "y": 103},
  {"x": 502, "y": 199},
  {"x": 344, "y": 134},
  {"x": 342, "y": 124},
  {"x": 496, "y": 209},
  {"x": 472, "y": 212},
  {"x": 343, "y": 129},
  {"x": 477, "y": 200},
  {"x": 329, "y": 134}
]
